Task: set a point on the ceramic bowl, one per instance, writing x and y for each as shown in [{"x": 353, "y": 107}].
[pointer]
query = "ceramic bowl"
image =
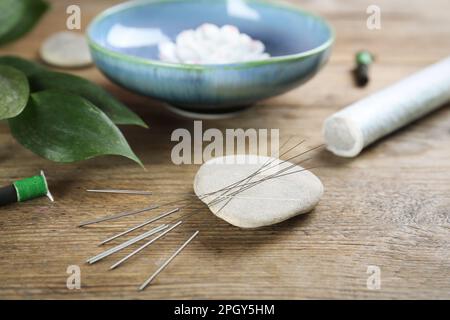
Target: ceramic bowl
[{"x": 124, "y": 45}]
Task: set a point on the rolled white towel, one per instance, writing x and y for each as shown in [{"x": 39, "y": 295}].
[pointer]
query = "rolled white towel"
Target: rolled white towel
[{"x": 350, "y": 130}]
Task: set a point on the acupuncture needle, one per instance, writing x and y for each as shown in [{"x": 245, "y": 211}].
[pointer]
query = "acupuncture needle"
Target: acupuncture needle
[
  {"x": 126, "y": 244},
  {"x": 269, "y": 161},
  {"x": 275, "y": 174},
  {"x": 127, "y": 213},
  {"x": 250, "y": 177},
  {"x": 143, "y": 224},
  {"x": 117, "y": 216},
  {"x": 251, "y": 185},
  {"x": 117, "y": 191},
  {"x": 270, "y": 167},
  {"x": 118, "y": 263},
  {"x": 164, "y": 265},
  {"x": 291, "y": 158}
]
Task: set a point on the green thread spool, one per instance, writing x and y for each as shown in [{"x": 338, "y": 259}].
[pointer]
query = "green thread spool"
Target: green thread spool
[
  {"x": 31, "y": 188},
  {"x": 363, "y": 60},
  {"x": 364, "y": 57},
  {"x": 25, "y": 189}
]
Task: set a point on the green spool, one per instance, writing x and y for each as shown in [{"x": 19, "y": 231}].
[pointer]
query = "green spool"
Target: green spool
[
  {"x": 364, "y": 57},
  {"x": 31, "y": 188}
]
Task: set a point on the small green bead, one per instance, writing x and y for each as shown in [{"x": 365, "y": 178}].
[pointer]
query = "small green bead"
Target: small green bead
[
  {"x": 31, "y": 188},
  {"x": 364, "y": 57}
]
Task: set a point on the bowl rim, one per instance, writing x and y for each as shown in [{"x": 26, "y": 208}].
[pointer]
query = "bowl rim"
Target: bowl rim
[{"x": 94, "y": 45}]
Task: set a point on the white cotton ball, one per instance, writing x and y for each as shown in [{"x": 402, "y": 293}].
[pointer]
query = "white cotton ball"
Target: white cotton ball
[
  {"x": 257, "y": 46},
  {"x": 167, "y": 52},
  {"x": 209, "y": 31},
  {"x": 185, "y": 53},
  {"x": 245, "y": 40},
  {"x": 229, "y": 34},
  {"x": 209, "y": 44},
  {"x": 185, "y": 38}
]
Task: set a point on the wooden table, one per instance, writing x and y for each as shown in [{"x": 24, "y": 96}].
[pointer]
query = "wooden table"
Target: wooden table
[{"x": 389, "y": 207}]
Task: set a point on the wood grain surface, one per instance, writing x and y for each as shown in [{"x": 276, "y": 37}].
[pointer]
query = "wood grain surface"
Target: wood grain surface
[{"x": 390, "y": 207}]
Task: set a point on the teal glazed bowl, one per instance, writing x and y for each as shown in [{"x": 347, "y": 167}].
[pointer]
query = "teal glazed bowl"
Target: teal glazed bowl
[{"x": 124, "y": 45}]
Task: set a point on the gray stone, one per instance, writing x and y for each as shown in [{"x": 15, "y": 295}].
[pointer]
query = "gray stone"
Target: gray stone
[
  {"x": 266, "y": 203},
  {"x": 66, "y": 49}
]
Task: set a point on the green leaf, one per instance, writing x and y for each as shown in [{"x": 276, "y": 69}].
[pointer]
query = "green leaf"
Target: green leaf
[
  {"x": 14, "y": 92},
  {"x": 18, "y": 17},
  {"x": 116, "y": 111},
  {"x": 26, "y": 66},
  {"x": 66, "y": 128},
  {"x": 10, "y": 14}
]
